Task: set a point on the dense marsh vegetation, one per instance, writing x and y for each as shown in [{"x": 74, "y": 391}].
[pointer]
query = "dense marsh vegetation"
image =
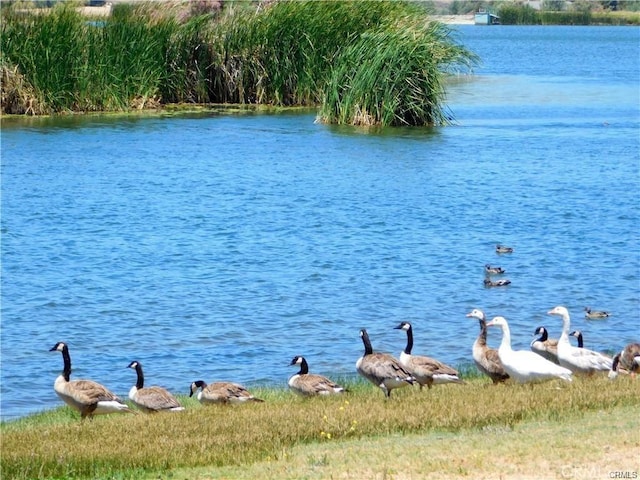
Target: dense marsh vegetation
[
  {"x": 519, "y": 14},
  {"x": 56, "y": 444},
  {"x": 365, "y": 62},
  {"x": 550, "y": 12}
]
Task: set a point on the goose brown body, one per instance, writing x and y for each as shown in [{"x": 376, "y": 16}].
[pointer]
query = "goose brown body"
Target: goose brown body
[
  {"x": 382, "y": 369},
  {"x": 426, "y": 370},
  {"x": 545, "y": 346},
  {"x": 486, "y": 359},
  {"x": 221, "y": 392},
  {"x": 151, "y": 399},
  {"x": 629, "y": 357},
  {"x": 86, "y": 396},
  {"x": 309, "y": 384}
]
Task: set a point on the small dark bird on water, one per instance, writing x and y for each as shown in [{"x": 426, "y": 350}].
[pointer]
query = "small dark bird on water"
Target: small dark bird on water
[
  {"x": 489, "y": 270},
  {"x": 503, "y": 249},
  {"x": 497, "y": 283}
]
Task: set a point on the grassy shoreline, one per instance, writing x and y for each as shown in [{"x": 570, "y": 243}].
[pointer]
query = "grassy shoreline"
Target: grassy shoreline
[{"x": 299, "y": 438}]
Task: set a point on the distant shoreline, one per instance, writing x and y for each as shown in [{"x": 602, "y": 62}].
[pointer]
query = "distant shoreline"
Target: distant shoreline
[{"x": 455, "y": 19}]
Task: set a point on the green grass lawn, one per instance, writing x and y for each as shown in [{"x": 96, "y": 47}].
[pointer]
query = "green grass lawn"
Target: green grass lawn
[{"x": 452, "y": 430}]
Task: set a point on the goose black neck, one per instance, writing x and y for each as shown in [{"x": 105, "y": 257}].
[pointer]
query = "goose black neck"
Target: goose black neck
[
  {"x": 580, "y": 342},
  {"x": 66, "y": 371},
  {"x": 543, "y": 335},
  {"x": 304, "y": 367},
  {"x": 483, "y": 330},
  {"x": 140, "y": 381},
  {"x": 368, "y": 350},
  {"x": 409, "y": 346},
  {"x": 614, "y": 365}
]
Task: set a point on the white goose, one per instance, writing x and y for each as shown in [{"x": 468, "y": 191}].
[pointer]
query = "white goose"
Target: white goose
[
  {"x": 382, "y": 369},
  {"x": 578, "y": 360},
  {"x": 545, "y": 346},
  {"x": 525, "y": 366},
  {"x": 426, "y": 370},
  {"x": 86, "y": 396},
  {"x": 486, "y": 359}
]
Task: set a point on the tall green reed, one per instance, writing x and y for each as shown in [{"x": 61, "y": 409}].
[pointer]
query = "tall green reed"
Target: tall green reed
[
  {"x": 48, "y": 51},
  {"x": 366, "y": 61},
  {"x": 403, "y": 82}
]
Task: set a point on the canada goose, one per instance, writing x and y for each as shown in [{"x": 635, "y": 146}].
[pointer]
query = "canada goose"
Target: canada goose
[
  {"x": 307, "y": 384},
  {"x": 489, "y": 270},
  {"x": 497, "y": 283},
  {"x": 630, "y": 358},
  {"x": 525, "y": 366},
  {"x": 595, "y": 314},
  {"x": 578, "y": 360},
  {"x": 578, "y": 335},
  {"x": 382, "y": 369},
  {"x": 545, "y": 346},
  {"x": 485, "y": 358},
  {"x": 616, "y": 368},
  {"x": 151, "y": 399},
  {"x": 503, "y": 249},
  {"x": 426, "y": 370},
  {"x": 88, "y": 397},
  {"x": 221, "y": 392}
]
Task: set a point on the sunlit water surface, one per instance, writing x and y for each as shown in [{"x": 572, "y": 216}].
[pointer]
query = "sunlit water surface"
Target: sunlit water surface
[{"x": 218, "y": 247}]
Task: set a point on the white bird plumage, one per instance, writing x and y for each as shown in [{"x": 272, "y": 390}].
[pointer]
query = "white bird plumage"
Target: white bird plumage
[
  {"x": 578, "y": 360},
  {"x": 524, "y": 366}
]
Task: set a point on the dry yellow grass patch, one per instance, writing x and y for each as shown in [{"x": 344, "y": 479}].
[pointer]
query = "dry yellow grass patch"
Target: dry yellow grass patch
[{"x": 594, "y": 445}]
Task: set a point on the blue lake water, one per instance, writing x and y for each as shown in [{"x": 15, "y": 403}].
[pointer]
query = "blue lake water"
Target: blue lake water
[{"x": 219, "y": 246}]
